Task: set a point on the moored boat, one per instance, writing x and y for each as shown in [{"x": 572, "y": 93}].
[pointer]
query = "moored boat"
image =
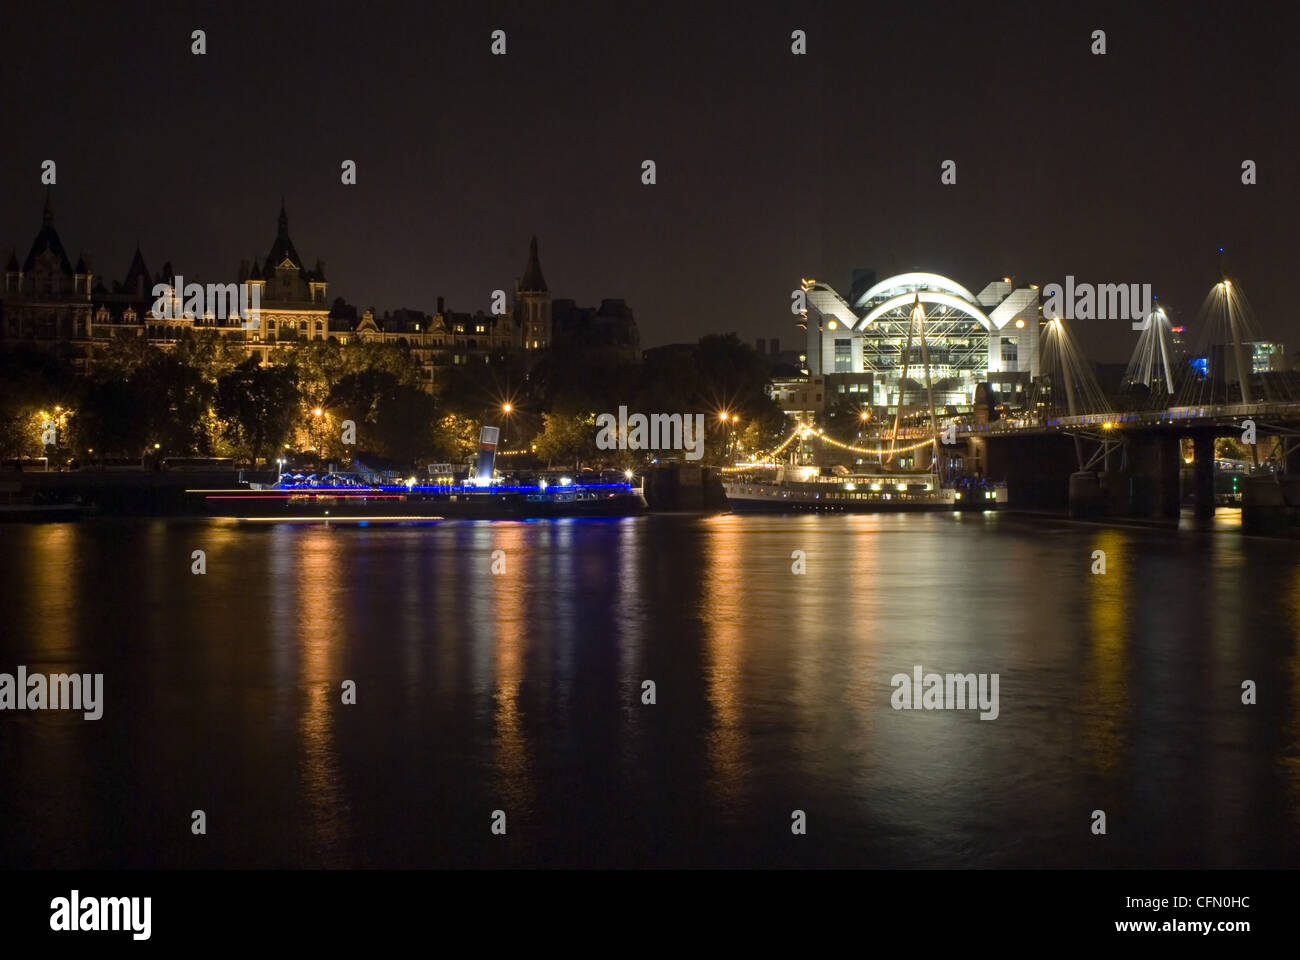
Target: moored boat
[
  {"x": 342, "y": 499},
  {"x": 789, "y": 489}
]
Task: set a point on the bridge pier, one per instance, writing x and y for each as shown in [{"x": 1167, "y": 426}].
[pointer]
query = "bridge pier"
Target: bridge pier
[
  {"x": 1036, "y": 469},
  {"x": 1203, "y": 474},
  {"x": 1149, "y": 484},
  {"x": 1086, "y": 495},
  {"x": 1291, "y": 462},
  {"x": 1263, "y": 506}
]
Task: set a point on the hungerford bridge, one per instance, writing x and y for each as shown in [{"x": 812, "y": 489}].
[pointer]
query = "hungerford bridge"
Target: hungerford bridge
[{"x": 926, "y": 339}]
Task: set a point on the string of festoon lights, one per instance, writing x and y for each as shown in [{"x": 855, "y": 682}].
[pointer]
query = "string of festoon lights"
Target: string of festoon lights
[
  {"x": 805, "y": 432},
  {"x": 875, "y": 453}
]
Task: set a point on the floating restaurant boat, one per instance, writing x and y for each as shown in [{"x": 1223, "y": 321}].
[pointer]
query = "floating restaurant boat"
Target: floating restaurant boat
[
  {"x": 340, "y": 499},
  {"x": 790, "y": 489},
  {"x": 344, "y": 498}
]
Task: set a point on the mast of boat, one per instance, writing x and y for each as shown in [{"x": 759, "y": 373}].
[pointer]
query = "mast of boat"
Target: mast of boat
[
  {"x": 916, "y": 322},
  {"x": 898, "y": 400},
  {"x": 918, "y": 312}
]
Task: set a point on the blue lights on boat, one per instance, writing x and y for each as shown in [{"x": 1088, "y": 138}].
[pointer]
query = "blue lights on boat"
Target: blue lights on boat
[{"x": 553, "y": 489}]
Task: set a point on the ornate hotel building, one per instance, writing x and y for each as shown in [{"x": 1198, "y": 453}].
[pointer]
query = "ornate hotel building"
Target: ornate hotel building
[{"x": 48, "y": 301}]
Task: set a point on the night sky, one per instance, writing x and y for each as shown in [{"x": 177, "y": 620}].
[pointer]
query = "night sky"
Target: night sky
[{"x": 771, "y": 167}]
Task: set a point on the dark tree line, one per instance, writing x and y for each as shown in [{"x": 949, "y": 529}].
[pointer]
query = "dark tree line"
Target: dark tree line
[{"x": 205, "y": 397}]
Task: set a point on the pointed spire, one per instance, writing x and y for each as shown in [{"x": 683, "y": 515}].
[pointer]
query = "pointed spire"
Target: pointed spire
[
  {"x": 137, "y": 274},
  {"x": 533, "y": 281},
  {"x": 47, "y": 240},
  {"x": 283, "y": 247}
]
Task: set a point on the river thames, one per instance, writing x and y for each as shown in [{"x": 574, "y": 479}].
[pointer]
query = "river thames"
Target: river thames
[{"x": 523, "y": 692}]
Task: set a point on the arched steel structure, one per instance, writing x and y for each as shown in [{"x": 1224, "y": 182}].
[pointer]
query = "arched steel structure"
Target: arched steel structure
[
  {"x": 903, "y": 302},
  {"x": 956, "y": 330},
  {"x": 912, "y": 283}
]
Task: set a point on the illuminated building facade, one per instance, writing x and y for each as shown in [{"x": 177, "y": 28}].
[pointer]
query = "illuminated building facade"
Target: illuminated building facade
[
  {"x": 47, "y": 301},
  {"x": 968, "y": 338}
]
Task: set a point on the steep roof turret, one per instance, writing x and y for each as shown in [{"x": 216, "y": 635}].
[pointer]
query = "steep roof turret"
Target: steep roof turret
[
  {"x": 283, "y": 248},
  {"x": 48, "y": 240},
  {"x": 533, "y": 281},
  {"x": 137, "y": 274}
]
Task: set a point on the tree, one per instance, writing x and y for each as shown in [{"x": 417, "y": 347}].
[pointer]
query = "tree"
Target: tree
[
  {"x": 578, "y": 379},
  {"x": 31, "y": 380},
  {"x": 470, "y": 389},
  {"x": 211, "y": 353},
  {"x": 567, "y": 438},
  {"x": 456, "y": 437},
  {"x": 260, "y": 402},
  {"x": 393, "y": 418},
  {"x": 733, "y": 375},
  {"x": 109, "y": 421},
  {"x": 174, "y": 399},
  {"x": 843, "y": 416},
  {"x": 123, "y": 355}
]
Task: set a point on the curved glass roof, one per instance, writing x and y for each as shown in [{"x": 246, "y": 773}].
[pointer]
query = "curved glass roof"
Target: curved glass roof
[{"x": 912, "y": 282}]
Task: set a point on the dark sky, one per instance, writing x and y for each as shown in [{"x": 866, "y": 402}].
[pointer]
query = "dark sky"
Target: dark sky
[{"x": 771, "y": 167}]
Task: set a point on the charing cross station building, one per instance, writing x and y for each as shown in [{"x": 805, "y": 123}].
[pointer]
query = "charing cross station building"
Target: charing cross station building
[{"x": 862, "y": 344}]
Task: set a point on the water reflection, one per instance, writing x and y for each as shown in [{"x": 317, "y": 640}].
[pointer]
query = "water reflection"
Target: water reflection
[
  {"x": 721, "y": 612},
  {"x": 522, "y": 691},
  {"x": 319, "y": 586},
  {"x": 1110, "y": 579}
]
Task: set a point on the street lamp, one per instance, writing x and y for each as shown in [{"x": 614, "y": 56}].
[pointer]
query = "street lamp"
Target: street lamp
[
  {"x": 316, "y": 445},
  {"x": 506, "y": 408}
]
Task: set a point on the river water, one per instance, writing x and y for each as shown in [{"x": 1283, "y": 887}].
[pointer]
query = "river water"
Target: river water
[{"x": 522, "y": 692}]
